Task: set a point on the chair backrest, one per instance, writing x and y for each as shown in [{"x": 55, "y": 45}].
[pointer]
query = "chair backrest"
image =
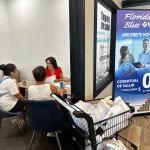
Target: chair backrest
[{"x": 44, "y": 115}]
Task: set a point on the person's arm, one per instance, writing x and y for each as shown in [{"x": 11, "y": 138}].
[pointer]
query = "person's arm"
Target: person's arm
[
  {"x": 13, "y": 90},
  {"x": 18, "y": 85},
  {"x": 133, "y": 68},
  {"x": 19, "y": 97},
  {"x": 139, "y": 60},
  {"x": 53, "y": 89},
  {"x": 60, "y": 78},
  {"x": 148, "y": 63},
  {"x": 60, "y": 75},
  {"x": 62, "y": 92}
]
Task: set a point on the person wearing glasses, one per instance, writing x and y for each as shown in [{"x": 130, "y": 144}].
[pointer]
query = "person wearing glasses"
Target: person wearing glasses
[{"x": 10, "y": 98}]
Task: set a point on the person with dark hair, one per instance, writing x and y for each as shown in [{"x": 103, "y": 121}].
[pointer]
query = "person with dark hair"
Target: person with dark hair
[
  {"x": 126, "y": 68},
  {"x": 124, "y": 50},
  {"x": 10, "y": 98},
  {"x": 144, "y": 56},
  {"x": 53, "y": 69},
  {"x": 41, "y": 90}
]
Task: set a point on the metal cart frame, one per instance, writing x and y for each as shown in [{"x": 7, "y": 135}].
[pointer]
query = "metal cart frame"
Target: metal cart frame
[{"x": 122, "y": 120}]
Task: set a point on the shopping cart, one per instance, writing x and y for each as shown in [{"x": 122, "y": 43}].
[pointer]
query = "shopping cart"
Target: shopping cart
[{"x": 94, "y": 133}]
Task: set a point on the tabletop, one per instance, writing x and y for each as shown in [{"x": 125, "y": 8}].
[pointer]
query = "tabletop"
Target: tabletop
[{"x": 29, "y": 83}]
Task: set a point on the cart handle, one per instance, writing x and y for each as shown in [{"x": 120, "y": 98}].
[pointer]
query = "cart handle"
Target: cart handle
[{"x": 62, "y": 103}]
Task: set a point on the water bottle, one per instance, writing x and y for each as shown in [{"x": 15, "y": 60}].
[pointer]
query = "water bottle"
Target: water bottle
[{"x": 61, "y": 84}]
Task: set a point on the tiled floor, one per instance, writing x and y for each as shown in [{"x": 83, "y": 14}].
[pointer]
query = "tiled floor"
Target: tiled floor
[{"x": 12, "y": 139}]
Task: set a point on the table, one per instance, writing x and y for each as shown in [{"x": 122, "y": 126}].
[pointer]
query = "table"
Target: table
[{"x": 29, "y": 83}]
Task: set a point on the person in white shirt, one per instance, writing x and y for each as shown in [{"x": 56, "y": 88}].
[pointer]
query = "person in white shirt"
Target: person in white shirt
[
  {"x": 10, "y": 98},
  {"x": 41, "y": 90}
]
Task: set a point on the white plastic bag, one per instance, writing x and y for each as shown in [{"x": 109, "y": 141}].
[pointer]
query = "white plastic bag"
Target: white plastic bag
[
  {"x": 90, "y": 110},
  {"x": 115, "y": 110},
  {"x": 99, "y": 147},
  {"x": 102, "y": 109},
  {"x": 119, "y": 101},
  {"x": 115, "y": 145}
]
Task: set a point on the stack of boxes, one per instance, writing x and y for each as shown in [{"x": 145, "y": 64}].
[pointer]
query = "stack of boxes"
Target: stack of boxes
[{"x": 144, "y": 107}]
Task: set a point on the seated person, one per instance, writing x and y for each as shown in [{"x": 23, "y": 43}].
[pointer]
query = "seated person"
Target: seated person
[
  {"x": 53, "y": 69},
  {"x": 10, "y": 98},
  {"x": 126, "y": 68},
  {"x": 41, "y": 90},
  {"x": 124, "y": 50}
]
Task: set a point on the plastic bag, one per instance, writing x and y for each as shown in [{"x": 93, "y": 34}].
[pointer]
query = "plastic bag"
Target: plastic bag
[
  {"x": 119, "y": 101},
  {"x": 102, "y": 109},
  {"x": 115, "y": 110},
  {"x": 97, "y": 112},
  {"x": 115, "y": 145},
  {"x": 87, "y": 108}
]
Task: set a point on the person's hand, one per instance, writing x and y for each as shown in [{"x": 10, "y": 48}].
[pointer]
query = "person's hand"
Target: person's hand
[
  {"x": 104, "y": 144},
  {"x": 63, "y": 91},
  {"x": 56, "y": 80},
  {"x": 142, "y": 66}
]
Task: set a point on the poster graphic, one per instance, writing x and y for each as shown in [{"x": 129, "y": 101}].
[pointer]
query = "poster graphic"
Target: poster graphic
[
  {"x": 132, "y": 58},
  {"x": 102, "y": 43}
]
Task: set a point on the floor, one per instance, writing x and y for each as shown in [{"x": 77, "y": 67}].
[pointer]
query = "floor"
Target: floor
[
  {"x": 139, "y": 132},
  {"x": 12, "y": 139}
]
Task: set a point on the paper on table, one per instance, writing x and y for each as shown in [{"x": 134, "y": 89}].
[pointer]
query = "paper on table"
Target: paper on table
[
  {"x": 57, "y": 84},
  {"x": 68, "y": 86},
  {"x": 50, "y": 79}
]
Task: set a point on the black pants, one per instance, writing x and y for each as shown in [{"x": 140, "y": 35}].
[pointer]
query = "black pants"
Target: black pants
[{"x": 18, "y": 107}]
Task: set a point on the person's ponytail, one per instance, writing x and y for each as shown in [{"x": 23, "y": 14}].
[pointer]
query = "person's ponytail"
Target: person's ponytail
[
  {"x": 7, "y": 69},
  {"x": 3, "y": 67}
]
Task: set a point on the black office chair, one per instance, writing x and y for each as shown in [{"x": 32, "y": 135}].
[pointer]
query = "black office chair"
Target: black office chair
[{"x": 44, "y": 116}]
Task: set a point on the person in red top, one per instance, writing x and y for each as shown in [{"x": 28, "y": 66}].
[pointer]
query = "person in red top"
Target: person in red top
[{"x": 53, "y": 69}]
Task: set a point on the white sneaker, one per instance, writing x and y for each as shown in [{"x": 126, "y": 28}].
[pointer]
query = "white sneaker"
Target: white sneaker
[
  {"x": 59, "y": 131},
  {"x": 50, "y": 134}
]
